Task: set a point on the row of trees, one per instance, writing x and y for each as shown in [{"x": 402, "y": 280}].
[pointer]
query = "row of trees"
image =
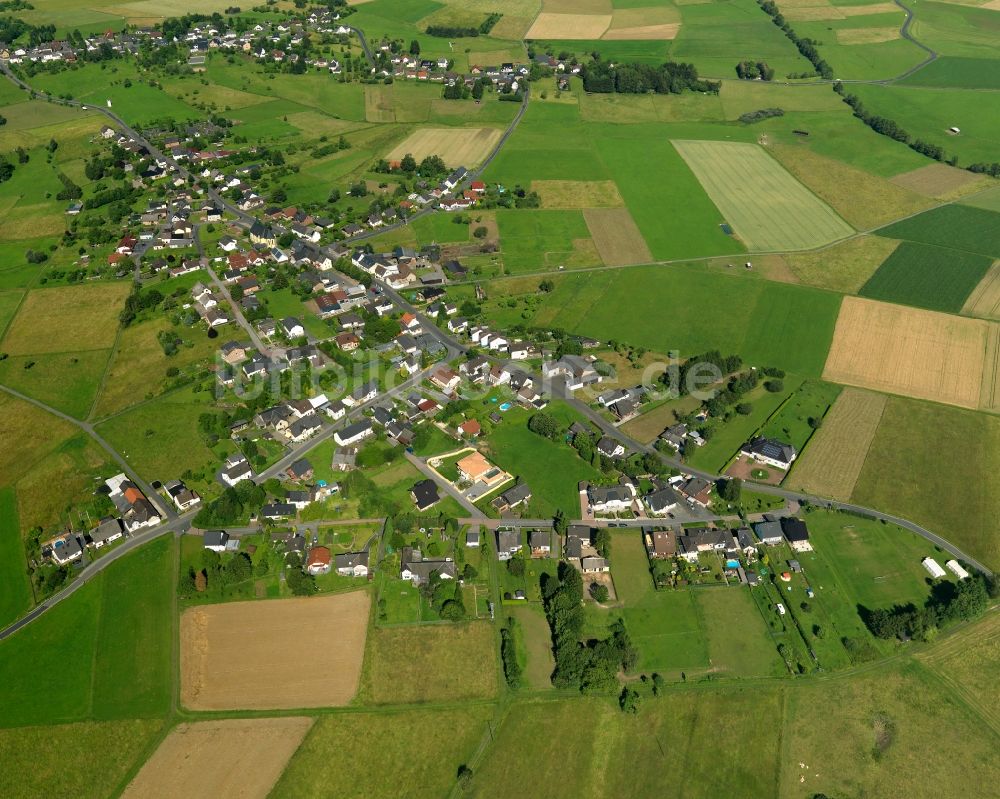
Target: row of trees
[
  {"x": 807, "y": 47},
  {"x": 763, "y": 113},
  {"x": 889, "y": 127},
  {"x": 590, "y": 666},
  {"x": 634, "y": 78}
]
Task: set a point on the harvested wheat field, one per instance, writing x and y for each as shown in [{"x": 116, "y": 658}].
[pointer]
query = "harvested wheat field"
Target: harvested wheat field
[
  {"x": 832, "y": 462},
  {"x": 940, "y": 181},
  {"x": 909, "y": 351},
  {"x": 617, "y": 237},
  {"x": 568, "y": 26},
  {"x": 219, "y": 759},
  {"x": 818, "y": 13},
  {"x": 569, "y": 194},
  {"x": 666, "y": 30},
  {"x": 457, "y": 146},
  {"x": 989, "y": 398},
  {"x": 985, "y": 298},
  {"x": 866, "y": 35},
  {"x": 255, "y": 655}
]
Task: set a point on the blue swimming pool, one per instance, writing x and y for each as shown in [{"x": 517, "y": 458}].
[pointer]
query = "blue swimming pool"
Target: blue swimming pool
[
  {"x": 505, "y": 406},
  {"x": 732, "y": 564}
]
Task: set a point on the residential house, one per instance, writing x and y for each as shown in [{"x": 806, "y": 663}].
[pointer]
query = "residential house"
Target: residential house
[
  {"x": 609, "y": 499},
  {"x": 540, "y": 543},
  {"x": 796, "y": 533},
  {"x": 508, "y": 543},
  {"x": 610, "y": 448},
  {"x": 417, "y": 569},
  {"x": 770, "y": 452},
  {"x": 661, "y": 544},
  {"x": 352, "y": 564},
  {"x": 662, "y": 501},
  {"x": 769, "y": 532},
  {"x": 318, "y": 561},
  {"x": 215, "y": 540},
  {"x": 512, "y": 497},
  {"x": 425, "y": 494},
  {"x": 108, "y": 531},
  {"x": 183, "y": 497},
  {"x": 354, "y": 433}
]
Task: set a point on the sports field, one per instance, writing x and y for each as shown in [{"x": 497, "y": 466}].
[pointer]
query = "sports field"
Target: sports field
[
  {"x": 250, "y": 655},
  {"x": 765, "y": 205},
  {"x": 927, "y": 276},
  {"x": 830, "y": 465},
  {"x": 908, "y": 351},
  {"x": 457, "y": 146},
  {"x": 617, "y": 237},
  {"x": 227, "y": 758},
  {"x": 984, "y": 300}
]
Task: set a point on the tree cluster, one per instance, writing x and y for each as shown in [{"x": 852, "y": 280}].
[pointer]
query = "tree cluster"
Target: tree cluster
[
  {"x": 754, "y": 70},
  {"x": 460, "y": 31},
  {"x": 508, "y": 654},
  {"x": 635, "y": 78},
  {"x": 764, "y": 113},
  {"x": 947, "y": 604},
  {"x": 589, "y": 666}
]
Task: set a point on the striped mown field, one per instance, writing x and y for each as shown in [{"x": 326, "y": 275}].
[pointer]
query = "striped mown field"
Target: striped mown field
[{"x": 767, "y": 207}]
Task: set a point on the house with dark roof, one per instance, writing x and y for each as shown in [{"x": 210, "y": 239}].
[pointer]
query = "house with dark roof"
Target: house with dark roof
[
  {"x": 508, "y": 543},
  {"x": 108, "y": 531},
  {"x": 770, "y": 452},
  {"x": 661, "y": 501},
  {"x": 540, "y": 543},
  {"x": 769, "y": 533},
  {"x": 796, "y": 533},
  {"x": 512, "y": 497},
  {"x": 425, "y": 494},
  {"x": 610, "y": 499}
]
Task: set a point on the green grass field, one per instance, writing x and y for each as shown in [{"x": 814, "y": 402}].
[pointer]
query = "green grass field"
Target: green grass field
[
  {"x": 447, "y": 737},
  {"x": 96, "y": 656},
  {"x": 15, "y": 590},
  {"x": 532, "y": 241},
  {"x": 429, "y": 663},
  {"x": 927, "y": 276},
  {"x": 962, "y": 507},
  {"x": 959, "y": 227},
  {"x": 957, "y": 72},
  {"x": 89, "y": 772},
  {"x": 766, "y": 206},
  {"x": 68, "y": 381},
  {"x": 738, "y": 640},
  {"x": 161, "y": 438},
  {"x": 769, "y": 324},
  {"x": 928, "y": 113},
  {"x": 551, "y": 469},
  {"x": 534, "y": 640},
  {"x": 791, "y": 423}
]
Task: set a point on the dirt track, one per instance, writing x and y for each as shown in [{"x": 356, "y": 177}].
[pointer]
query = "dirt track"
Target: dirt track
[{"x": 265, "y": 655}]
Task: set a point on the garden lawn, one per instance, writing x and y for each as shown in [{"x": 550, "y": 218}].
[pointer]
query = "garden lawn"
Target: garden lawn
[
  {"x": 794, "y": 422},
  {"x": 927, "y": 276},
  {"x": 551, "y": 468}
]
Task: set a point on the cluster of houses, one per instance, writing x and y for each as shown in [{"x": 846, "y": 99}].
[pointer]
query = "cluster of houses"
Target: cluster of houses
[
  {"x": 316, "y": 560},
  {"x": 134, "y": 513},
  {"x": 663, "y": 499}
]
